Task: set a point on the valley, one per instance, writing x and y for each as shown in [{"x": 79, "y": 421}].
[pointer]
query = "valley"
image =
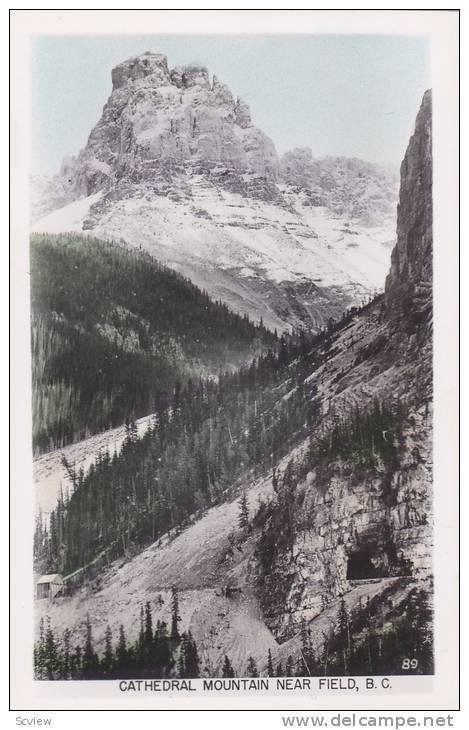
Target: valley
[{"x": 271, "y": 512}]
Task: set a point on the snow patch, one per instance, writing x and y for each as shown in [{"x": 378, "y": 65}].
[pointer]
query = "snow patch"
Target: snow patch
[{"x": 68, "y": 218}]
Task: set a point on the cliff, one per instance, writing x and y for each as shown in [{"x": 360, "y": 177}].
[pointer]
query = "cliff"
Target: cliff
[
  {"x": 409, "y": 283},
  {"x": 358, "y": 518}
]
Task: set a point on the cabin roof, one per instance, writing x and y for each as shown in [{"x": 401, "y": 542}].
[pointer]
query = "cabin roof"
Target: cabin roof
[{"x": 51, "y": 578}]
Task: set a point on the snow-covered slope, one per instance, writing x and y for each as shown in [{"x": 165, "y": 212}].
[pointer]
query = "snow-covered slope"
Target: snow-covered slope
[
  {"x": 287, "y": 264},
  {"x": 50, "y": 473},
  {"x": 70, "y": 217}
]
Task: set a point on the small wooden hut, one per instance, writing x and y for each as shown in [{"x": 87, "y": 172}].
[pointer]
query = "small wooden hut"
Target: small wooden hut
[{"x": 49, "y": 585}]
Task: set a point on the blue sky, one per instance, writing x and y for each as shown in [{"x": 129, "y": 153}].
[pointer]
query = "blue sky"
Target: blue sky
[{"x": 340, "y": 95}]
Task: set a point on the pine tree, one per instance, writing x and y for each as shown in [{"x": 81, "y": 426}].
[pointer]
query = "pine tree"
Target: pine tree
[
  {"x": 163, "y": 653},
  {"x": 300, "y": 668},
  {"x": 175, "y": 618},
  {"x": 275, "y": 480},
  {"x": 289, "y": 666},
  {"x": 251, "y": 670},
  {"x": 77, "y": 663},
  {"x": 343, "y": 640},
  {"x": 181, "y": 664},
  {"x": 227, "y": 670},
  {"x": 40, "y": 654},
  {"x": 148, "y": 633},
  {"x": 89, "y": 660},
  {"x": 51, "y": 659},
  {"x": 108, "y": 657},
  {"x": 66, "y": 663},
  {"x": 270, "y": 666},
  {"x": 243, "y": 519},
  {"x": 141, "y": 635},
  {"x": 191, "y": 657},
  {"x": 121, "y": 651},
  {"x": 279, "y": 670},
  {"x": 423, "y": 630}
]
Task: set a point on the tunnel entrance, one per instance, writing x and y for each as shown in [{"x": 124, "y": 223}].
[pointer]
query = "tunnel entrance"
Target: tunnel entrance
[
  {"x": 361, "y": 566},
  {"x": 377, "y": 561}
]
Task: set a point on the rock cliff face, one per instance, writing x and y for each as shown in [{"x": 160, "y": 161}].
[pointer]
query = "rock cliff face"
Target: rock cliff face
[
  {"x": 351, "y": 522},
  {"x": 409, "y": 283},
  {"x": 346, "y": 186},
  {"x": 158, "y": 123},
  {"x": 175, "y": 165}
]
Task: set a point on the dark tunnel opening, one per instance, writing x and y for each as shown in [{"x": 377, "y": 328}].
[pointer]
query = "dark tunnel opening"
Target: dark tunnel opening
[{"x": 360, "y": 565}]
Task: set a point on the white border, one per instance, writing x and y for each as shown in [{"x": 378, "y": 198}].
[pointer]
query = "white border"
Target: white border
[{"x": 442, "y": 30}]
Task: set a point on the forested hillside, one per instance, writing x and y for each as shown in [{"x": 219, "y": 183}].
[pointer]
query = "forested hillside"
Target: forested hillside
[
  {"x": 202, "y": 438},
  {"x": 113, "y": 330}
]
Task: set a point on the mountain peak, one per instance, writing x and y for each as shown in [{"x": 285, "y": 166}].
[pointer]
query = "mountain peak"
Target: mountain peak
[
  {"x": 190, "y": 75},
  {"x": 148, "y": 65},
  {"x": 176, "y": 165},
  {"x": 161, "y": 123}
]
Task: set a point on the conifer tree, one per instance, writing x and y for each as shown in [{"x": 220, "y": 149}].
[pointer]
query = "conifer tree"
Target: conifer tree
[
  {"x": 424, "y": 638},
  {"x": 108, "y": 657},
  {"x": 148, "y": 633},
  {"x": 141, "y": 634},
  {"x": 40, "y": 653},
  {"x": 163, "y": 653},
  {"x": 121, "y": 651},
  {"x": 274, "y": 480},
  {"x": 227, "y": 670},
  {"x": 51, "y": 663},
  {"x": 66, "y": 662},
  {"x": 270, "y": 666},
  {"x": 191, "y": 657},
  {"x": 343, "y": 638},
  {"x": 243, "y": 519},
  {"x": 300, "y": 668},
  {"x": 89, "y": 660},
  {"x": 251, "y": 669},
  {"x": 77, "y": 662},
  {"x": 175, "y": 618},
  {"x": 181, "y": 664}
]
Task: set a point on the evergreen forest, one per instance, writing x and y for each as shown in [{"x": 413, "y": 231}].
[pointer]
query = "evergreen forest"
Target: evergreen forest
[{"x": 112, "y": 330}]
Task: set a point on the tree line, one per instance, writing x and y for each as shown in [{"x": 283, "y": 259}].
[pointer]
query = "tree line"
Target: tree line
[
  {"x": 355, "y": 644},
  {"x": 159, "y": 651}
]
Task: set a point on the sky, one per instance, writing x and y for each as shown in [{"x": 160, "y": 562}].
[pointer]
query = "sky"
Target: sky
[{"x": 349, "y": 95}]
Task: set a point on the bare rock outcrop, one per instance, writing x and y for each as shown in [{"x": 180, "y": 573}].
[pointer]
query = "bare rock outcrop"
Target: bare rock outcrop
[
  {"x": 409, "y": 283},
  {"x": 158, "y": 123}
]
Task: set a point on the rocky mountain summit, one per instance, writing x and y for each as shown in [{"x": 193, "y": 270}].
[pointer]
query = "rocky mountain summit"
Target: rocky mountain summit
[
  {"x": 159, "y": 123},
  {"x": 175, "y": 165}
]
